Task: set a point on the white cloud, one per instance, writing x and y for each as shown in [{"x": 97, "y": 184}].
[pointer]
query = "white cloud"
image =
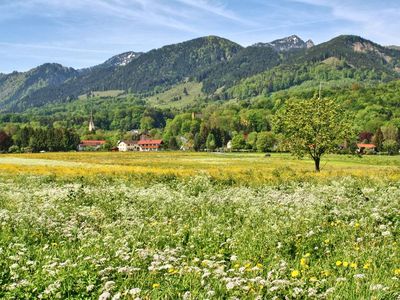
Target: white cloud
[{"x": 376, "y": 20}]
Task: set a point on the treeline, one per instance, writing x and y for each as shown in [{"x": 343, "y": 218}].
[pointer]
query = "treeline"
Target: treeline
[
  {"x": 30, "y": 139},
  {"x": 286, "y": 76}
]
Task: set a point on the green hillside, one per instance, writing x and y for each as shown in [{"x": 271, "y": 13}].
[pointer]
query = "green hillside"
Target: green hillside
[{"x": 180, "y": 96}]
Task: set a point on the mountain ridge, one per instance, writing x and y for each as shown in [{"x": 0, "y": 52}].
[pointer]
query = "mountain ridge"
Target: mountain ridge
[{"x": 216, "y": 62}]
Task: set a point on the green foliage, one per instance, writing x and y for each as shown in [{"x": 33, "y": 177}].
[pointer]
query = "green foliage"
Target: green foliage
[
  {"x": 266, "y": 141},
  {"x": 391, "y": 147},
  {"x": 313, "y": 127},
  {"x": 81, "y": 239},
  {"x": 238, "y": 142},
  {"x": 211, "y": 143},
  {"x": 40, "y": 139}
]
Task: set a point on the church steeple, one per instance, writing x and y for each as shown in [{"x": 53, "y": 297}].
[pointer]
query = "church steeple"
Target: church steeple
[{"x": 91, "y": 122}]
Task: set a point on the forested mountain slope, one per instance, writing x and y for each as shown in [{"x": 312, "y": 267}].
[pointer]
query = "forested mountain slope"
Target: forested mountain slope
[{"x": 225, "y": 69}]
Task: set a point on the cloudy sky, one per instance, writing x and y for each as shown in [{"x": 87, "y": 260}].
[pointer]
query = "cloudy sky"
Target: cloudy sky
[{"x": 81, "y": 33}]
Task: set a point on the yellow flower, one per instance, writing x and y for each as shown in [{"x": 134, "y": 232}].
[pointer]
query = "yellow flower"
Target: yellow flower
[
  {"x": 327, "y": 241},
  {"x": 307, "y": 255},
  {"x": 366, "y": 266},
  {"x": 345, "y": 264},
  {"x": 338, "y": 263},
  {"x": 248, "y": 265},
  {"x": 259, "y": 265},
  {"x": 353, "y": 265},
  {"x": 357, "y": 225},
  {"x": 326, "y": 273},
  {"x": 303, "y": 262},
  {"x": 156, "y": 285},
  {"x": 397, "y": 272},
  {"x": 295, "y": 273},
  {"x": 236, "y": 266}
]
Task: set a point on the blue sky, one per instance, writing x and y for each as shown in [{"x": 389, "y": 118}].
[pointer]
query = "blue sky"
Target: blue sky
[{"x": 82, "y": 33}]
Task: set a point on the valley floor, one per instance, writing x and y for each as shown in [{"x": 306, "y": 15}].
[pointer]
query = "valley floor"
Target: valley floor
[{"x": 229, "y": 168}]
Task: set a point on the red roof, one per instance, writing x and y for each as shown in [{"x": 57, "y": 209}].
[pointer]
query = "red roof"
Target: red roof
[
  {"x": 366, "y": 146},
  {"x": 92, "y": 142},
  {"x": 150, "y": 142}
]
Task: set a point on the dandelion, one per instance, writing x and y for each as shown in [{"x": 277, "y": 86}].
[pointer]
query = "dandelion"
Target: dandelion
[
  {"x": 353, "y": 265},
  {"x": 156, "y": 285},
  {"x": 303, "y": 262},
  {"x": 366, "y": 266},
  {"x": 295, "y": 273},
  {"x": 338, "y": 263},
  {"x": 396, "y": 272},
  {"x": 345, "y": 264}
]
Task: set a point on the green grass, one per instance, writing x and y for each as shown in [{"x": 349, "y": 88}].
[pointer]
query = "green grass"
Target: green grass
[
  {"x": 104, "y": 94},
  {"x": 74, "y": 226},
  {"x": 169, "y": 98}
]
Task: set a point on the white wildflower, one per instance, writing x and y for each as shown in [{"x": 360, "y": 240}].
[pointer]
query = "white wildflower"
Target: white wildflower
[
  {"x": 105, "y": 295},
  {"x": 134, "y": 291}
]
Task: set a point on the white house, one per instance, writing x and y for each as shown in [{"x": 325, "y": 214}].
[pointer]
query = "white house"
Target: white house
[
  {"x": 229, "y": 146},
  {"x": 125, "y": 146}
]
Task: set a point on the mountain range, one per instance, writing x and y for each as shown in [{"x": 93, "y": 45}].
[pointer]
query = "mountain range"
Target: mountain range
[{"x": 225, "y": 69}]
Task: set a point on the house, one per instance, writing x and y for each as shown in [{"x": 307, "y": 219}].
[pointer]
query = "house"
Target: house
[
  {"x": 150, "y": 145},
  {"x": 90, "y": 145},
  {"x": 361, "y": 148},
  {"x": 125, "y": 146},
  {"x": 229, "y": 146}
]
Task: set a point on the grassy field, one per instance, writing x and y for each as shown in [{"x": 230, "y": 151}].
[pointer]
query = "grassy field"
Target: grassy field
[
  {"x": 176, "y": 98},
  {"x": 198, "y": 226},
  {"x": 234, "y": 168}
]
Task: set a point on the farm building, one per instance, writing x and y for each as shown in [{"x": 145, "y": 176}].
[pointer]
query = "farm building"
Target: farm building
[
  {"x": 142, "y": 145},
  {"x": 125, "y": 146},
  {"x": 361, "y": 148},
  {"x": 90, "y": 145},
  {"x": 150, "y": 145}
]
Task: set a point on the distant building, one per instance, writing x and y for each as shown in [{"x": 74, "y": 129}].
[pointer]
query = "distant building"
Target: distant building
[
  {"x": 361, "y": 148},
  {"x": 150, "y": 145},
  {"x": 125, "y": 146},
  {"x": 91, "y": 123},
  {"x": 90, "y": 145},
  {"x": 197, "y": 116},
  {"x": 229, "y": 146},
  {"x": 135, "y": 131}
]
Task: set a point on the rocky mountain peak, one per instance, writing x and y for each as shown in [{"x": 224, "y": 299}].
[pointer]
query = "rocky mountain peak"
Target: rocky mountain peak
[
  {"x": 122, "y": 59},
  {"x": 288, "y": 43}
]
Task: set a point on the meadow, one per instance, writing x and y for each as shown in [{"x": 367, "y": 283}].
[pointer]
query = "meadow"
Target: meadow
[{"x": 198, "y": 226}]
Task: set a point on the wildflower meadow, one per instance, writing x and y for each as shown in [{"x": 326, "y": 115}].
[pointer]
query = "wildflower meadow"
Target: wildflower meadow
[{"x": 196, "y": 237}]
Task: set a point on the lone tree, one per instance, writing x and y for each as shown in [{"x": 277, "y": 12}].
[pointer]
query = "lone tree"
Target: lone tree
[{"x": 313, "y": 127}]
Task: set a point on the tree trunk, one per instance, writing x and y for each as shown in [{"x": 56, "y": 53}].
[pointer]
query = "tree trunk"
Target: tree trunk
[{"x": 317, "y": 161}]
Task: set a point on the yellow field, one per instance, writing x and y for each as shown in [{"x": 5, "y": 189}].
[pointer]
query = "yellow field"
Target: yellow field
[{"x": 238, "y": 168}]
